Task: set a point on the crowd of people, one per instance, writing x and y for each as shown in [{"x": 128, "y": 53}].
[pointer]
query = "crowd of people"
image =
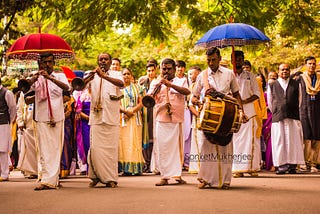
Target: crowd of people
[{"x": 173, "y": 119}]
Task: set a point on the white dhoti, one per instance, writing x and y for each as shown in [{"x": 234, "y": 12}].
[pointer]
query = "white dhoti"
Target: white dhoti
[
  {"x": 287, "y": 142},
  {"x": 215, "y": 163},
  {"x": 195, "y": 151},
  {"x": 170, "y": 147},
  {"x": 247, "y": 146},
  {"x": 28, "y": 161},
  {"x": 103, "y": 153},
  {"x": 49, "y": 141}
]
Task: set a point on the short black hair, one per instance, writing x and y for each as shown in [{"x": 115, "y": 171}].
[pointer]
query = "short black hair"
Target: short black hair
[
  {"x": 153, "y": 61},
  {"x": 309, "y": 58},
  {"x": 109, "y": 55},
  {"x": 213, "y": 50},
  {"x": 247, "y": 62},
  {"x": 117, "y": 59},
  {"x": 46, "y": 54},
  {"x": 238, "y": 53},
  {"x": 180, "y": 63},
  {"x": 169, "y": 61},
  {"x": 264, "y": 81},
  {"x": 151, "y": 65},
  {"x": 128, "y": 69}
]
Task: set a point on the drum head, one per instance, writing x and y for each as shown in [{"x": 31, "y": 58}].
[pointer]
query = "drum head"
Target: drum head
[{"x": 218, "y": 139}]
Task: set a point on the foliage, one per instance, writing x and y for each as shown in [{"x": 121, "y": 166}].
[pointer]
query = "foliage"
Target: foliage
[{"x": 135, "y": 31}]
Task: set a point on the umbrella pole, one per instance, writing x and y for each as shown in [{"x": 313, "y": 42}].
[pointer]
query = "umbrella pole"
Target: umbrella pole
[{"x": 233, "y": 59}]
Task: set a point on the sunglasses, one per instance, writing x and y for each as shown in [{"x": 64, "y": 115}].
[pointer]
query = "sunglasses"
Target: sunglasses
[{"x": 166, "y": 69}]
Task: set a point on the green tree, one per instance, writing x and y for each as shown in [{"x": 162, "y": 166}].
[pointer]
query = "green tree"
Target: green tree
[{"x": 138, "y": 30}]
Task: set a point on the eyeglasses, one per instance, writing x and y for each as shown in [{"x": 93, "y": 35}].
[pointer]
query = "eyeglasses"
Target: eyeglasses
[
  {"x": 102, "y": 58},
  {"x": 166, "y": 69}
]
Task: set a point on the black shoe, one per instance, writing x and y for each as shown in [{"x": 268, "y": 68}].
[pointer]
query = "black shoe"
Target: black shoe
[
  {"x": 280, "y": 172},
  {"x": 292, "y": 171}
]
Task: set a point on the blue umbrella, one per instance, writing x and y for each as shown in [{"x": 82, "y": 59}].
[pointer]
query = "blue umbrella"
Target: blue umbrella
[
  {"x": 232, "y": 34},
  {"x": 78, "y": 73}
]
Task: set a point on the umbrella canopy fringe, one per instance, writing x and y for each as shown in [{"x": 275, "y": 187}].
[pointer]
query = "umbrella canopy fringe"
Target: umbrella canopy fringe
[{"x": 228, "y": 42}]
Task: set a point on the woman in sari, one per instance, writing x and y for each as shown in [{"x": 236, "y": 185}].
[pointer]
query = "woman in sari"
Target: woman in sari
[
  {"x": 131, "y": 160},
  {"x": 68, "y": 144},
  {"x": 83, "y": 103}
]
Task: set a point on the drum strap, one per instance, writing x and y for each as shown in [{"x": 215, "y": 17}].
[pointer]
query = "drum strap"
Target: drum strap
[{"x": 206, "y": 81}]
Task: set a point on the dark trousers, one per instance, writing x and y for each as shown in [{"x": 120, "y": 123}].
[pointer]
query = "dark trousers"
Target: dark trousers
[{"x": 147, "y": 154}]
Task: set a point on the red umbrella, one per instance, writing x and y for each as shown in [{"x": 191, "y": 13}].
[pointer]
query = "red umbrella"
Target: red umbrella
[
  {"x": 30, "y": 46},
  {"x": 68, "y": 72}
]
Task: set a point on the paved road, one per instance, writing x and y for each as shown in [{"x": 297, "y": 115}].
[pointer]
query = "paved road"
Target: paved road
[{"x": 268, "y": 193}]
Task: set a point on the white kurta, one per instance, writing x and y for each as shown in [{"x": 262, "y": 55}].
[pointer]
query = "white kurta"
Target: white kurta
[
  {"x": 245, "y": 142},
  {"x": 49, "y": 139}
]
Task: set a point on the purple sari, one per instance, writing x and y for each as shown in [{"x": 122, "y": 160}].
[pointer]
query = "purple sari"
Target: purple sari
[
  {"x": 83, "y": 131},
  {"x": 266, "y": 133}
]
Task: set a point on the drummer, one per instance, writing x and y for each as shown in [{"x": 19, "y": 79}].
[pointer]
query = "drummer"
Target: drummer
[{"x": 215, "y": 161}]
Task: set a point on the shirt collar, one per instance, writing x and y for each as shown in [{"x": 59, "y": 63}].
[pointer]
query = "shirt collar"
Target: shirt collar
[{"x": 211, "y": 72}]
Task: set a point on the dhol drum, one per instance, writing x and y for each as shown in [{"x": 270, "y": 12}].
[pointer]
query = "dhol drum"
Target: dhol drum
[{"x": 219, "y": 119}]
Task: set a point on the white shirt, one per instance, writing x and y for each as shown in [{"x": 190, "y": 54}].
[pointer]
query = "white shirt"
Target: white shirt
[
  {"x": 42, "y": 113},
  {"x": 248, "y": 86},
  {"x": 24, "y": 112},
  {"x": 223, "y": 80},
  {"x": 110, "y": 112}
]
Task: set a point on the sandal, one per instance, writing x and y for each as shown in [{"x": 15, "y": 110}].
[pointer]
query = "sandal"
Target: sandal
[
  {"x": 238, "y": 175},
  {"x": 112, "y": 184},
  {"x": 181, "y": 181},
  {"x": 3, "y": 179},
  {"x": 94, "y": 182},
  {"x": 203, "y": 184},
  {"x": 162, "y": 182},
  {"x": 225, "y": 186},
  {"x": 43, "y": 187}
]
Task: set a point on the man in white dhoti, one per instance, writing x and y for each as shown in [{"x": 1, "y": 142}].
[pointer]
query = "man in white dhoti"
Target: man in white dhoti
[
  {"x": 284, "y": 96},
  {"x": 104, "y": 120},
  {"x": 169, "y": 115},
  {"x": 215, "y": 160},
  {"x": 194, "y": 163},
  {"x": 28, "y": 161},
  {"x": 7, "y": 116},
  {"x": 245, "y": 141},
  {"x": 49, "y": 119}
]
